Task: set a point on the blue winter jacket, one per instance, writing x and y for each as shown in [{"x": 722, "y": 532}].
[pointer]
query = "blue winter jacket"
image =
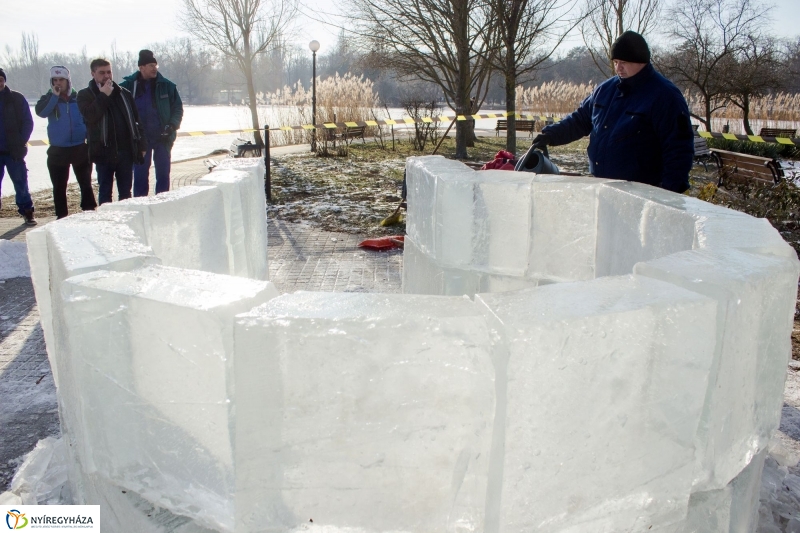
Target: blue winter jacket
[
  {"x": 639, "y": 130},
  {"x": 65, "y": 126}
]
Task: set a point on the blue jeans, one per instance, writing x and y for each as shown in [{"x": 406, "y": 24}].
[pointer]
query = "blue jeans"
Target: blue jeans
[
  {"x": 18, "y": 173},
  {"x": 158, "y": 153},
  {"x": 123, "y": 168}
]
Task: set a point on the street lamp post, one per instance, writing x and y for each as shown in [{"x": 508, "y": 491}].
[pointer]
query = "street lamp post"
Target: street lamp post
[{"x": 314, "y": 46}]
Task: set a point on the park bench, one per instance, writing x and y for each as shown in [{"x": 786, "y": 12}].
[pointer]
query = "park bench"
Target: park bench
[
  {"x": 737, "y": 168},
  {"x": 702, "y": 153},
  {"x": 778, "y": 132},
  {"x": 349, "y": 132},
  {"x": 521, "y": 125},
  {"x": 241, "y": 148}
]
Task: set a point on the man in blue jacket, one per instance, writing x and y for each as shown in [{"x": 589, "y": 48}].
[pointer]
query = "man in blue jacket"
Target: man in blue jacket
[
  {"x": 67, "y": 134},
  {"x": 638, "y": 123},
  {"x": 16, "y": 126},
  {"x": 161, "y": 111}
]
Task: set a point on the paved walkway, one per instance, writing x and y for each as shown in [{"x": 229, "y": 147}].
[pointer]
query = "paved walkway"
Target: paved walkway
[{"x": 300, "y": 258}]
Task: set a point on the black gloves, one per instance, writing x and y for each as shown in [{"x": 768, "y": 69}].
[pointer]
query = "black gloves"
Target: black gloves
[
  {"x": 168, "y": 130},
  {"x": 540, "y": 142}
]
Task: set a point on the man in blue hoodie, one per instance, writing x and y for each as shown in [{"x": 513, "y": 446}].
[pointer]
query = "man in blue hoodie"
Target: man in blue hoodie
[
  {"x": 16, "y": 126},
  {"x": 67, "y": 134},
  {"x": 161, "y": 111},
  {"x": 638, "y": 123}
]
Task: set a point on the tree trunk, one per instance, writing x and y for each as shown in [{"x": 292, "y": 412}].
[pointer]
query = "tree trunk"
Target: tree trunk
[
  {"x": 461, "y": 13},
  {"x": 707, "y": 121},
  {"x": 746, "y": 114},
  {"x": 511, "y": 105},
  {"x": 247, "y": 68}
]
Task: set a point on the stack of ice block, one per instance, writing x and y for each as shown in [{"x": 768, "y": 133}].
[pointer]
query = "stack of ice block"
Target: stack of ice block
[
  {"x": 618, "y": 368},
  {"x": 584, "y": 229},
  {"x": 246, "y": 220},
  {"x": 142, "y": 353},
  {"x": 153, "y": 351},
  {"x": 342, "y": 422}
]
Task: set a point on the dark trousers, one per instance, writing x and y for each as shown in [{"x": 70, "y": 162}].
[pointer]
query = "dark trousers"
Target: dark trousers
[
  {"x": 159, "y": 154},
  {"x": 59, "y": 159},
  {"x": 123, "y": 168},
  {"x": 18, "y": 172}
]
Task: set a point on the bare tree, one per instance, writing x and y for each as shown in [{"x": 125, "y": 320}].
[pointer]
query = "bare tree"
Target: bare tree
[
  {"x": 529, "y": 33},
  {"x": 185, "y": 64},
  {"x": 709, "y": 34},
  {"x": 26, "y": 65},
  {"x": 124, "y": 63},
  {"x": 445, "y": 42},
  {"x": 756, "y": 71},
  {"x": 240, "y": 30},
  {"x": 606, "y": 20}
]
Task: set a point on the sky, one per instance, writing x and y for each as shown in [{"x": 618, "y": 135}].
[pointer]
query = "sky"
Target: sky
[{"x": 132, "y": 24}]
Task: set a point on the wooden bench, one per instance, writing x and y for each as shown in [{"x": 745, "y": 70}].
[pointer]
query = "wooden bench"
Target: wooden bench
[
  {"x": 778, "y": 132},
  {"x": 702, "y": 154},
  {"x": 349, "y": 132},
  {"x": 737, "y": 168},
  {"x": 241, "y": 148},
  {"x": 521, "y": 125}
]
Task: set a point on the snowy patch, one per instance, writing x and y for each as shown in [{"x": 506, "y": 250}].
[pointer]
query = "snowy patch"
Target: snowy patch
[
  {"x": 791, "y": 170},
  {"x": 14, "y": 260}
]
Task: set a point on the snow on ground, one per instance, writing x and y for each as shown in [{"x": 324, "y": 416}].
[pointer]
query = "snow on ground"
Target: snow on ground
[
  {"x": 14, "y": 260},
  {"x": 791, "y": 170}
]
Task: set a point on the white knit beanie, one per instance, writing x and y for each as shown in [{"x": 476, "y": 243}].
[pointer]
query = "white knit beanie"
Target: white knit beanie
[{"x": 60, "y": 72}]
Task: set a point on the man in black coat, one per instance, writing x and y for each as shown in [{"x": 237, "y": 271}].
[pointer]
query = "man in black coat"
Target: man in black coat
[
  {"x": 116, "y": 138},
  {"x": 16, "y": 126}
]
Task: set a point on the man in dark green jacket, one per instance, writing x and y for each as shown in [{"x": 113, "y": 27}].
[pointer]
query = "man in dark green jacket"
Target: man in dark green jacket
[{"x": 160, "y": 111}]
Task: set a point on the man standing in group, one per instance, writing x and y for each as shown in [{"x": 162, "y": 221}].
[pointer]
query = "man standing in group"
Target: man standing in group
[
  {"x": 116, "y": 139},
  {"x": 66, "y": 132},
  {"x": 638, "y": 123},
  {"x": 16, "y": 126},
  {"x": 161, "y": 112}
]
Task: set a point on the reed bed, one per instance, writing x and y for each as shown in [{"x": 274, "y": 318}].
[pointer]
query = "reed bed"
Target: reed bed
[
  {"x": 347, "y": 98},
  {"x": 780, "y": 110},
  {"x": 552, "y": 98}
]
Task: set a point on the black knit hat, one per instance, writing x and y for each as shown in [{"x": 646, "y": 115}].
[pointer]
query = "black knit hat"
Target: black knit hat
[
  {"x": 146, "y": 57},
  {"x": 631, "y": 47},
  {"x": 3, "y": 74}
]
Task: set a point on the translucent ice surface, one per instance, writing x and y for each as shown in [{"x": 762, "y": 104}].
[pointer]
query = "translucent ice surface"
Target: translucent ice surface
[
  {"x": 177, "y": 235},
  {"x": 756, "y": 301},
  {"x": 571, "y": 355},
  {"x": 604, "y": 383},
  {"x": 364, "y": 411},
  {"x": 246, "y": 219},
  {"x": 154, "y": 354}
]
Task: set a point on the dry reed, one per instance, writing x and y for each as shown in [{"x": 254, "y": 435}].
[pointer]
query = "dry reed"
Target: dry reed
[
  {"x": 552, "y": 98},
  {"x": 348, "y": 98}
]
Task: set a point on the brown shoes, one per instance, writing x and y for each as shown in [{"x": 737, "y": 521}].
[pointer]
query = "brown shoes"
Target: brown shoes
[{"x": 28, "y": 216}]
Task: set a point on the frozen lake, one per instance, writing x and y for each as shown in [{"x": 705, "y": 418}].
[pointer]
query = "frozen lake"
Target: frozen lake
[
  {"x": 205, "y": 118},
  {"x": 195, "y": 118}
]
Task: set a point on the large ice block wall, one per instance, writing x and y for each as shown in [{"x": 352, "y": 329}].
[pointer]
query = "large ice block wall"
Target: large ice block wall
[
  {"x": 582, "y": 355},
  {"x": 644, "y": 333}
]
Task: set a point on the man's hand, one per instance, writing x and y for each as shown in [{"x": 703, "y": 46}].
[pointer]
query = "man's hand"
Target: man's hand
[
  {"x": 107, "y": 88},
  {"x": 56, "y": 90},
  {"x": 168, "y": 129},
  {"x": 541, "y": 141}
]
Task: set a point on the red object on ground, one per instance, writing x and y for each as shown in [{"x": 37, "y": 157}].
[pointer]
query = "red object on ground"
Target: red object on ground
[
  {"x": 502, "y": 161},
  {"x": 383, "y": 243}
]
